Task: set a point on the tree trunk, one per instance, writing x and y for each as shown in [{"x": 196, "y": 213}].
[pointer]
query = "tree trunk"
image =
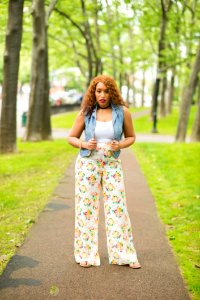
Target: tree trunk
[
  {"x": 89, "y": 43},
  {"x": 163, "y": 95},
  {"x": 121, "y": 55},
  {"x": 133, "y": 88},
  {"x": 187, "y": 100},
  {"x": 128, "y": 89},
  {"x": 46, "y": 124},
  {"x": 161, "y": 47},
  {"x": 159, "y": 71},
  {"x": 109, "y": 32},
  {"x": 171, "y": 92},
  {"x": 10, "y": 76},
  {"x": 99, "y": 65},
  {"x": 195, "y": 136},
  {"x": 89, "y": 60},
  {"x": 155, "y": 104},
  {"x": 38, "y": 125},
  {"x": 143, "y": 88}
]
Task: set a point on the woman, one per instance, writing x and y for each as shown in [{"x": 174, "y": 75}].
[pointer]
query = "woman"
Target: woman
[{"x": 104, "y": 118}]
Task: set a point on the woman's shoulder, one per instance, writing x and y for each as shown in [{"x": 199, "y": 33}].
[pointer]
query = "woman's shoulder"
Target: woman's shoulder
[
  {"x": 80, "y": 116},
  {"x": 126, "y": 110},
  {"x": 81, "y": 112},
  {"x": 123, "y": 109}
]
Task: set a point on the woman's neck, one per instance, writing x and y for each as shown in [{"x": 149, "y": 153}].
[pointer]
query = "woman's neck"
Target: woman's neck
[{"x": 109, "y": 106}]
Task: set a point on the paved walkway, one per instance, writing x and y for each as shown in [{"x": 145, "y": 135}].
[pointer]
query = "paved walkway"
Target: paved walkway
[{"x": 46, "y": 258}]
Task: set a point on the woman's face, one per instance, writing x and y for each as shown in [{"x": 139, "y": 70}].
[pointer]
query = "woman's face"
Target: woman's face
[{"x": 102, "y": 95}]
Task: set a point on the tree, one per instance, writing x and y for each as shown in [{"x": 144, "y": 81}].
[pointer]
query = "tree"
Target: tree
[
  {"x": 108, "y": 20},
  {"x": 188, "y": 93},
  {"x": 38, "y": 125},
  {"x": 171, "y": 91},
  {"x": 10, "y": 73},
  {"x": 99, "y": 63},
  {"x": 84, "y": 27},
  {"x": 195, "y": 137},
  {"x": 161, "y": 73}
]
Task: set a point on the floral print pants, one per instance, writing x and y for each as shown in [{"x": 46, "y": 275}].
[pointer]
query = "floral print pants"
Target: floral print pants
[{"x": 101, "y": 170}]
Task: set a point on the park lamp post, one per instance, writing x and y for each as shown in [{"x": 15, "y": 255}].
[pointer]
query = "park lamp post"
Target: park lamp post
[
  {"x": 155, "y": 103},
  {"x": 154, "y": 129},
  {"x": 154, "y": 113}
]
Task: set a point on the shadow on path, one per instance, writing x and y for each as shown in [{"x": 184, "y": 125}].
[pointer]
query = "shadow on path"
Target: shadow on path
[{"x": 18, "y": 262}]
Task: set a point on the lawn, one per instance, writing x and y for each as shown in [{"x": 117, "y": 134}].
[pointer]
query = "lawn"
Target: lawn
[
  {"x": 172, "y": 172},
  {"x": 66, "y": 120},
  {"x": 165, "y": 125},
  {"x": 27, "y": 180}
]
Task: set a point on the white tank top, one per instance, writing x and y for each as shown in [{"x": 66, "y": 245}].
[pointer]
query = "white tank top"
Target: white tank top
[{"x": 104, "y": 131}]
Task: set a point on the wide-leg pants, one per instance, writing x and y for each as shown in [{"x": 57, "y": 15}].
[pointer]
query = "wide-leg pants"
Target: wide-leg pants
[{"x": 101, "y": 170}]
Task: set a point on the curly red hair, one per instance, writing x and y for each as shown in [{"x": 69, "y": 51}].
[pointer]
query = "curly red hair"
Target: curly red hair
[{"x": 89, "y": 100}]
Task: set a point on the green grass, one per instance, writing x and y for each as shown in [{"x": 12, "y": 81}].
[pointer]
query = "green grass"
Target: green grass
[
  {"x": 65, "y": 120},
  {"x": 165, "y": 125},
  {"x": 137, "y": 109},
  {"x": 27, "y": 180},
  {"x": 172, "y": 172}
]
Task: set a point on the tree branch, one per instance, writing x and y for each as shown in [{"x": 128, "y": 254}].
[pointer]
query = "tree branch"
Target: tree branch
[
  {"x": 50, "y": 9},
  {"x": 163, "y": 7},
  {"x": 72, "y": 21},
  {"x": 88, "y": 29},
  {"x": 169, "y": 5},
  {"x": 55, "y": 39}
]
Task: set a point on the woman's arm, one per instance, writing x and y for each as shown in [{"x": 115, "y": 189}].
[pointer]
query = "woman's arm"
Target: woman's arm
[
  {"x": 76, "y": 131},
  {"x": 75, "y": 134},
  {"x": 129, "y": 132}
]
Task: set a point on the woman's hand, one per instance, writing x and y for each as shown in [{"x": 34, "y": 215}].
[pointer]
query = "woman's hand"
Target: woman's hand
[
  {"x": 91, "y": 144},
  {"x": 115, "y": 145}
]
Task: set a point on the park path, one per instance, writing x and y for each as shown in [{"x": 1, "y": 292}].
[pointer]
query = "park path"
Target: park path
[{"x": 46, "y": 258}]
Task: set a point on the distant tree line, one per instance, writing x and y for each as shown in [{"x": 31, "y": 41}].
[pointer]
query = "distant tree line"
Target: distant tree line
[{"x": 115, "y": 37}]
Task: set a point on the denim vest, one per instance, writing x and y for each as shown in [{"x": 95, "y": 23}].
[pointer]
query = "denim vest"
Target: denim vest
[{"x": 117, "y": 120}]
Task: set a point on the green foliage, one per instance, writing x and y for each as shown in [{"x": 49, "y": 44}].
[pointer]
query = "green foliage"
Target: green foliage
[
  {"x": 27, "y": 180},
  {"x": 172, "y": 172},
  {"x": 125, "y": 28},
  {"x": 125, "y": 36}
]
